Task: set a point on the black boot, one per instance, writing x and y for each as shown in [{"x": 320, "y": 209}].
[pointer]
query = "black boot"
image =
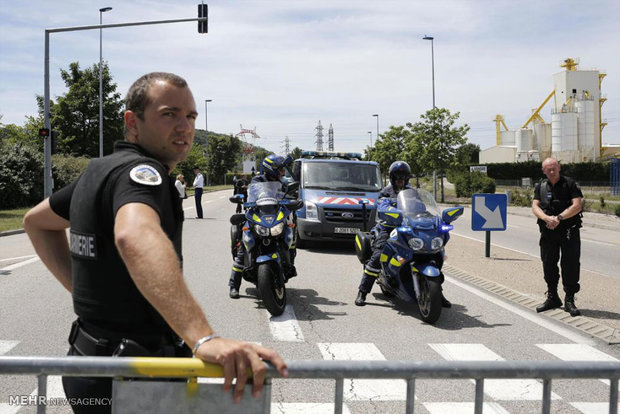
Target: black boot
[
  {"x": 552, "y": 302},
  {"x": 234, "y": 293},
  {"x": 569, "y": 305},
  {"x": 361, "y": 298}
]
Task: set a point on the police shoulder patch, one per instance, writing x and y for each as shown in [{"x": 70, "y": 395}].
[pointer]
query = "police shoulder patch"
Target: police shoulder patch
[{"x": 145, "y": 174}]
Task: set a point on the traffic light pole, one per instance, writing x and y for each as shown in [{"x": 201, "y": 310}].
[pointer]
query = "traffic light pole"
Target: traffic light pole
[{"x": 47, "y": 148}]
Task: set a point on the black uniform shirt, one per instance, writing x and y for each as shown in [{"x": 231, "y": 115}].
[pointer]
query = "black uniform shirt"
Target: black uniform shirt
[
  {"x": 103, "y": 292},
  {"x": 558, "y": 198}
]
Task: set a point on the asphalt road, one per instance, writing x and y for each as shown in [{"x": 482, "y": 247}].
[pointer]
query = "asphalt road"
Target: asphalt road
[{"x": 322, "y": 322}]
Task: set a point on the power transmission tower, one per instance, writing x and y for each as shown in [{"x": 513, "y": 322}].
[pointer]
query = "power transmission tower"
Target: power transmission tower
[
  {"x": 287, "y": 146},
  {"x": 319, "y": 137},
  {"x": 330, "y": 138}
]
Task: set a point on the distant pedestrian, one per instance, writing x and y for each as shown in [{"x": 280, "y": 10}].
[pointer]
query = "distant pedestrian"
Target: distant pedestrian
[
  {"x": 198, "y": 184},
  {"x": 557, "y": 204},
  {"x": 180, "y": 185}
]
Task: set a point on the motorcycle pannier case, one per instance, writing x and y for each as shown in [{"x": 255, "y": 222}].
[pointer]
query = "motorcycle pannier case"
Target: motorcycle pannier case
[{"x": 362, "y": 246}]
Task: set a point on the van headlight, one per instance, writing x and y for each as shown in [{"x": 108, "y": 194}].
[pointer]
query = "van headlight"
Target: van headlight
[
  {"x": 415, "y": 243},
  {"x": 277, "y": 229},
  {"x": 312, "y": 212},
  {"x": 261, "y": 230},
  {"x": 436, "y": 243}
]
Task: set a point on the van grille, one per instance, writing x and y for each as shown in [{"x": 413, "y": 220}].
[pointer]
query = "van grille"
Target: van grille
[{"x": 343, "y": 215}]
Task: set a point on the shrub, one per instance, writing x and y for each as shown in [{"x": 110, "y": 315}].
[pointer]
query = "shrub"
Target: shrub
[
  {"x": 467, "y": 184},
  {"x": 522, "y": 198},
  {"x": 21, "y": 176},
  {"x": 618, "y": 210},
  {"x": 65, "y": 169},
  {"x": 602, "y": 200}
]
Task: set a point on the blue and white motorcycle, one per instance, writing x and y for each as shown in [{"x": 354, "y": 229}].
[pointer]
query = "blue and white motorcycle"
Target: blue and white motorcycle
[
  {"x": 412, "y": 257},
  {"x": 266, "y": 231}
]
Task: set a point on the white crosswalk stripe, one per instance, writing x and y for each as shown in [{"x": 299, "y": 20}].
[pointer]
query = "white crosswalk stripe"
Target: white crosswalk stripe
[
  {"x": 6, "y": 346},
  {"x": 304, "y": 408},
  {"x": 501, "y": 390},
  {"x": 285, "y": 327},
  {"x": 463, "y": 408},
  {"x": 591, "y": 407},
  {"x": 576, "y": 352},
  {"x": 364, "y": 390}
]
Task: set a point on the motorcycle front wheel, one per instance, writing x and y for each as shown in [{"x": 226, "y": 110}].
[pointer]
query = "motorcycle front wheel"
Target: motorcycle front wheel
[
  {"x": 274, "y": 298},
  {"x": 429, "y": 301}
]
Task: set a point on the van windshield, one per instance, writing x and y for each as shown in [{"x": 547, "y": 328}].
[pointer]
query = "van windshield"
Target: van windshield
[{"x": 343, "y": 176}]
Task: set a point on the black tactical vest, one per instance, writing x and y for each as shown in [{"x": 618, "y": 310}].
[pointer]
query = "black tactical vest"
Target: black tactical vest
[
  {"x": 555, "y": 199},
  {"x": 103, "y": 292}
]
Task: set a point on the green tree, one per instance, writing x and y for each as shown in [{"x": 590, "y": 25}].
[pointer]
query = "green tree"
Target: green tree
[
  {"x": 468, "y": 154},
  {"x": 224, "y": 152},
  {"x": 296, "y": 153},
  {"x": 76, "y": 114},
  {"x": 436, "y": 139}
]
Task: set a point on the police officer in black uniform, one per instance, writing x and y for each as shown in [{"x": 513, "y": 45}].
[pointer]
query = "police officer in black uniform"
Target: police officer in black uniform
[
  {"x": 122, "y": 261},
  {"x": 271, "y": 169},
  {"x": 399, "y": 173},
  {"x": 557, "y": 204}
]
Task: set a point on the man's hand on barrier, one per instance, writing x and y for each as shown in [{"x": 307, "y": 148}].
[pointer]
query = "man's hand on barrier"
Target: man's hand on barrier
[{"x": 236, "y": 357}]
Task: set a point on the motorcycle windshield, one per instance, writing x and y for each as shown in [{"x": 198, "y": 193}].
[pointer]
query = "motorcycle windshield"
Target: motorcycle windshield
[
  {"x": 266, "y": 193},
  {"x": 417, "y": 203}
]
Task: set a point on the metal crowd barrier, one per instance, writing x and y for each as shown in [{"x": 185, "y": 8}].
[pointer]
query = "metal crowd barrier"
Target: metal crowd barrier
[{"x": 192, "y": 397}]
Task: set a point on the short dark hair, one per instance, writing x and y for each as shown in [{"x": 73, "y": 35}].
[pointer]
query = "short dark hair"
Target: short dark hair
[{"x": 137, "y": 97}]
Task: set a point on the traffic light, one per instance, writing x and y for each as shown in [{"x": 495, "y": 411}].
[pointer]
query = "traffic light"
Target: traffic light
[
  {"x": 44, "y": 132},
  {"x": 202, "y": 12}
]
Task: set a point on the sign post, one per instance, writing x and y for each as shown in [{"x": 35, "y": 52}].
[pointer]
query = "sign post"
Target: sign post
[{"x": 488, "y": 213}]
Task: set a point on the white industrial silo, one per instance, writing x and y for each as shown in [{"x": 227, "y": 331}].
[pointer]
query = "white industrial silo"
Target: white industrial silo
[
  {"x": 564, "y": 141},
  {"x": 588, "y": 144},
  {"x": 543, "y": 139},
  {"x": 507, "y": 138},
  {"x": 524, "y": 138}
]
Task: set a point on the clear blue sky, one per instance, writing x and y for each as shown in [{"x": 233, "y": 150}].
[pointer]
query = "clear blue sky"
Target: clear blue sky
[{"x": 281, "y": 65}]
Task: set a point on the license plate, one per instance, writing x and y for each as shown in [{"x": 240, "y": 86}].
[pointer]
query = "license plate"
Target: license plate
[{"x": 345, "y": 230}]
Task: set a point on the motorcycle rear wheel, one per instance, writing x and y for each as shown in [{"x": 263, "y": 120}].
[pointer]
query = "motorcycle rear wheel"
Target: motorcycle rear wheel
[
  {"x": 274, "y": 298},
  {"x": 429, "y": 302}
]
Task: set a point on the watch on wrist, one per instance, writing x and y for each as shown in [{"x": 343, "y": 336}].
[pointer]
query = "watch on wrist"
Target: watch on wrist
[{"x": 560, "y": 217}]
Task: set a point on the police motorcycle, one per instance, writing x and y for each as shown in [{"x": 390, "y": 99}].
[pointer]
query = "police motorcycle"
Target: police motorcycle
[
  {"x": 412, "y": 257},
  {"x": 267, "y": 232}
]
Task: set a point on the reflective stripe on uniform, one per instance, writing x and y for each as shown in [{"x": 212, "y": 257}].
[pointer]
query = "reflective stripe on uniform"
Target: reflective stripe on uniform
[
  {"x": 394, "y": 262},
  {"x": 237, "y": 269},
  {"x": 371, "y": 273},
  {"x": 383, "y": 257}
]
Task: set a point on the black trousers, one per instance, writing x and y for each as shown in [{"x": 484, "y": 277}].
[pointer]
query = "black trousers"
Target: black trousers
[
  {"x": 563, "y": 245},
  {"x": 373, "y": 265},
  {"x": 198, "y": 199}
]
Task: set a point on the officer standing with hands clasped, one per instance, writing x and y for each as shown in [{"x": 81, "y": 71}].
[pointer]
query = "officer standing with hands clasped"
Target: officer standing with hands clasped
[
  {"x": 557, "y": 204},
  {"x": 122, "y": 262},
  {"x": 198, "y": 184}
]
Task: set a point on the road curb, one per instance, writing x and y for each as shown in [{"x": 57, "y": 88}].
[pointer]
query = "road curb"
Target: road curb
[
  {"x": 11, "y": 232},
  {"x": 584, "y": 324}
]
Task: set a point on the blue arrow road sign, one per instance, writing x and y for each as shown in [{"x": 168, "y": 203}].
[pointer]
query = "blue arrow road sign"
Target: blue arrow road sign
[{"x": 488, "y": 212}]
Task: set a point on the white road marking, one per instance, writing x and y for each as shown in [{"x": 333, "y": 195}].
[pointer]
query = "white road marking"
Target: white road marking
[
  {"x": 17, "y": 258},
  {"x": 577, "y": 352},
  {"x": 502, "y": 390},
  {"x": 364, "y": 390},
  {"x": 527, "y": 314},
  {"x": 598, "y": 242},
  {"x": 6, "y": 408},
  {"x": 18, "y": 265},
  {"x": 591, "y": 407},
  {"x": 54, "y": 387},
  {"x": 463, "y": 408},
  {"x": 6, "y": 346},
  {"x": 285, "y": 327},
  {"x": 303, "y": 408}
]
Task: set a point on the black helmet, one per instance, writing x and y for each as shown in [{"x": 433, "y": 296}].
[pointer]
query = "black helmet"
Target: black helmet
[
  {"x": 271, "y": 165},
  {"x": 399, "y": 170}
]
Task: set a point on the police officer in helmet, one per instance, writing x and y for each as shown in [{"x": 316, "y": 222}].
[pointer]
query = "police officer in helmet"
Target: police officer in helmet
[
  {"x": 272, "y": 168},
  {"x": 122, "y": 263},
  {"x": 399, "y": 173}
]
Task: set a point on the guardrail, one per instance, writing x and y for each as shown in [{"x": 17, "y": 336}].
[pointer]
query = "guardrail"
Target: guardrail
[{"x": 409, "y": 371}]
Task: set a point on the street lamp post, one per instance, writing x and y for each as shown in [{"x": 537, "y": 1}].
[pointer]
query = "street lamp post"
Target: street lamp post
[
  {"x": 101, "y": 11},
  {"x": 370, "y": 135},
  {"x": 207, "y": 133},
  {"x": 431, "y": 38},
  {"x": 377, "y": 136}
]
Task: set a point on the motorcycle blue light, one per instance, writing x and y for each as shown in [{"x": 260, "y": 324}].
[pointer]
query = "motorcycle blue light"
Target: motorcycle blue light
[{"x": 446, "y": 228}]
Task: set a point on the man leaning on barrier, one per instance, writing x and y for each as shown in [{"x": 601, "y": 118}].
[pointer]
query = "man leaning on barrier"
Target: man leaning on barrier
[{"x": 122, "y": 262}]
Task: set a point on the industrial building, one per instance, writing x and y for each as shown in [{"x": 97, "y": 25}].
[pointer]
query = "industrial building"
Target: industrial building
[{"x": 575, "y": 131}]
